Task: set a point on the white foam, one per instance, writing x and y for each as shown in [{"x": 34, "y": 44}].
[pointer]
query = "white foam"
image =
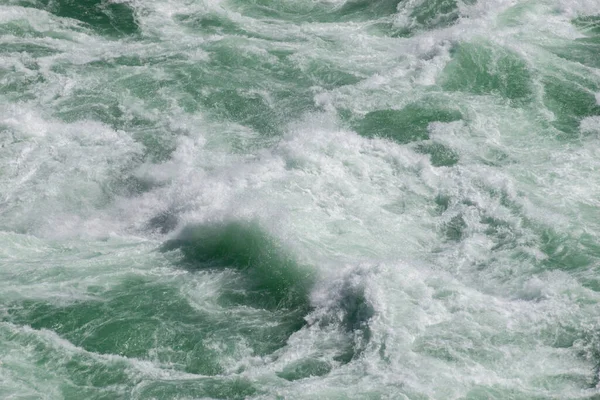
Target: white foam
[
  {"x": 577, "y": 8},
  {"x": 51, "y": 161},
  {"x": 590, "y": 125}
]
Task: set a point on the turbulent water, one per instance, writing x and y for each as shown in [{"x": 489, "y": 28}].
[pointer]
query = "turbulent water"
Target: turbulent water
[{"x": 299, "y": 199}]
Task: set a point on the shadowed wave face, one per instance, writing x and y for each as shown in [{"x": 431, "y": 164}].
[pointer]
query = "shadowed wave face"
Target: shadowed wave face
[
  {"x": 111, "y": 19},
  {"x": 299, "y": 199},
  {"x": 274, "y": 278}
]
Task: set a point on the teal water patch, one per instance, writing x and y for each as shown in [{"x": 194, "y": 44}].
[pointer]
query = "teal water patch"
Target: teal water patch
[
  {"x": 71, "y": 373},
  {"x": 163, "y": 222},
  {"x": 113, "y": 19},
  {"x": 104, "y": 100},
  {"x": 20, "y": 83},
  {"x": 514, "y": 235},
  {"x": 234, "y": 86},
  {"x": 153, "y": 322},
  {"x": 306, "y": 11},
  {"x": 130, "y": 321},
  {"x": 439, "y": 154},
  {"x": 349, "y": 314},
  {"x": 305, "y": 369},
  {"x": 455, "y": 229},
  {"x": 365, "y": 9},
  {"x": 571, "y": 98},
  {"x": 43, "y": 358},
  {"x": 357, "y": 314},
  {"x": 589, "y": 24},
  {"x": 273, "y": 280},
  {"x": 406, "y": 125},
  {"x": 570, "y": 93},
  {"x": 422, "y": 16},
  {"x": 256, "y": 87},
  {"x": 20, "y": 28},
  {"x": 567, "y": 252},
  {"x": 245, "y": 107},
  {"x": 92, "y": 105},
  {"x": 582, "y": 50},
  {"x": 32, "y": 49},
  {"x": 437, "y": 13},
  {"x": 276, "y": 280},
  {"x": 483, "y": 69},
  {"x": 427, "y": 15},
  {"x": 323, "y": 74}
]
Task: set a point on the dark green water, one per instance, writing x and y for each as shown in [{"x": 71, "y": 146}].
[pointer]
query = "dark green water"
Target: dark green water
[{"x": 298, "y": 199}]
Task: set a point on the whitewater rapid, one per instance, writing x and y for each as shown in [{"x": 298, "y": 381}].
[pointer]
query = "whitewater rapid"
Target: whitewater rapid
[{"x": 299, "y": 199}]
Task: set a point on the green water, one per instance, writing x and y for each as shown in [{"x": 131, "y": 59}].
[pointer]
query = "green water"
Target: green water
[{"x": 298, "y": 199}]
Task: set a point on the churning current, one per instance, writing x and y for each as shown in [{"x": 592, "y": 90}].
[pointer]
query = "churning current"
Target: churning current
[{"x": 299, "y": 199}]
